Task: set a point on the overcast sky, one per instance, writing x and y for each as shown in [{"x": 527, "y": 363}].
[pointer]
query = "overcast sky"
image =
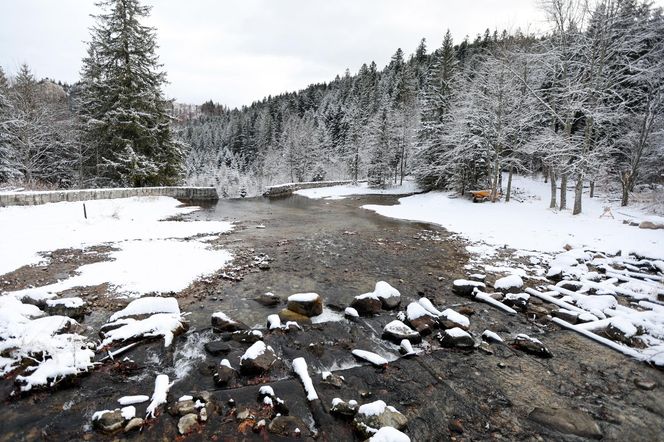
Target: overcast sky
[{"x": 238, "y": 51}]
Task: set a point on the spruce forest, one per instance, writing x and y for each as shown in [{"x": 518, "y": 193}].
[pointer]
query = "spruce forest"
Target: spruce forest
[{"x": 582, "y": 104}]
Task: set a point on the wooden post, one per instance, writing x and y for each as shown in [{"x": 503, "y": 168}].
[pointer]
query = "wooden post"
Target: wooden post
[{"x": 85, "y": 212}]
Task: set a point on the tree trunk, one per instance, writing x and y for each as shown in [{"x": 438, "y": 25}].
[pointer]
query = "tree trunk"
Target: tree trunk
[
  {"x": 546, "y": 175},
  {"x": 494, "y": 184},
  {"x": 563, "y": 192},
  {"x": 552, "y": 174},
  {"x": 625, "y": 181},
  {"x": 509, "y": 185},
  {"x": 592, "y": 189},
  {"x": 578, "y": 195}
]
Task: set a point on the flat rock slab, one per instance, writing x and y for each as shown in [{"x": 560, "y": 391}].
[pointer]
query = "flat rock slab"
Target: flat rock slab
[{"x": 567, "y": 421}]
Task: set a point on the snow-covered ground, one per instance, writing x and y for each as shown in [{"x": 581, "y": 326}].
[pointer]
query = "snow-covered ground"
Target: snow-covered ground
[
  {"x": 340, "y": 192},
  {"x": 29, "y": 230},
  {"x": 530, "y": 225}
]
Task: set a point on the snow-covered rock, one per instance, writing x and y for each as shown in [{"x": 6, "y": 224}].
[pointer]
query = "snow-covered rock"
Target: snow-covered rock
[
  {"x": 490, "y": 336},
  {"x": 464, "y": 287},
  {"x": 161, "y": 387},
  {"x": 273, "y": 322},
  {"x": 223, "y": 323},
  {"x": 389, "y": 296},
  {"x": 456, "y": 337},
  {"x": 375, "y": 415},
  {"x": 165, "y": 325},
  {"x": 420, "y": 319},
  {"x": 509, "y": 284},
  {"x": 531, "y": 345},
  {"x": 374, "y": 358},
  {"x": 517, "y": 301},
  {"x": 428, "y": 306},
  {"x": 300, "y": 368},
  {"x": 389, "y": 434},
  {"x": 367, "y": 304},
  {"x": 396, "y": 331},
  {"x": 306, "y": 304},
  {"x": 146, "y": 306},
  {"x": 350, "y": 312},
  {"x": 406, "y": 348},
  {"x": 450, "y": 319},
  {"x": 343, "y": 408},
  {"x": 621, "y": 329},
  {"x": 257, "y": 359}
]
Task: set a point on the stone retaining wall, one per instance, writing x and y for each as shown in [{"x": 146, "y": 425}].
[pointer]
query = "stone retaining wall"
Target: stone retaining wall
[
  {"x": 33, "y": 198},
  {"x": 287, "y": 189}
]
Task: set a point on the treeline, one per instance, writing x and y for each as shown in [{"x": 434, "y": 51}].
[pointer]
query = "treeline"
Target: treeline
[
  {"x": 111, "y": 128},
  {"x": 582, "y": 104}
]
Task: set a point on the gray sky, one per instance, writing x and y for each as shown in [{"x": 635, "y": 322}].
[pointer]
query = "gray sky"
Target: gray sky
[{"x": 238, "y": 51}]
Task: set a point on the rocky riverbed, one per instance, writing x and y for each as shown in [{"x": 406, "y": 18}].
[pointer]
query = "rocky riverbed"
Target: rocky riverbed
[{"x": 490, "y": 389}]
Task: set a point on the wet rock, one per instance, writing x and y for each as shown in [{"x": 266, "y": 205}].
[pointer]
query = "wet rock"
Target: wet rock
[
  {"x": 306, "y": 304},
  {"x": 478, "y": 277},
  {"x": 332, "y": 379},
  {"x": 464, "y": 287},
  {"x": 264, "y": 265},
  {"x": 456, "y": 337},
  {"x": 645, "y": 384},
  {"x": 466, "y": 310},
  {"x": 188, "y": 423},
  {"x": 72, "y": 307},
  {"x": 344, "y": 409},
  {"x": 518, "y": 301},
  {"x": 182, "y": 408},
  {"x": 531, "y": 345},
  {"x": 222, "y": 323},
  {"x": 288, "y": 426},
  {"x": 288, "y": 315},
  {"x": 257, "y": 359},
  {"x": 375, "y": 415},
  {"x": 268, "y": 299},
  {"x": 244, "y": 336},
  {"x": 244, "y": 415},
  {"x": 455, "y": 426},
  {"x": 388, "y": 295},
  {"x": 396, "y": 331},
  {"x": 367, "y": 304},
  {"x": 134, "y": 424},
  {"x": 217, "y": 348},
  {"x": 567, "y": 421},
  {"x": 225, "y": 374},
  {"x": 108, "y": 421}
]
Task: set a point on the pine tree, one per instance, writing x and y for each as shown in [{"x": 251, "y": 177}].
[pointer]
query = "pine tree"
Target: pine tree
[{"x": 124, "y": 113}]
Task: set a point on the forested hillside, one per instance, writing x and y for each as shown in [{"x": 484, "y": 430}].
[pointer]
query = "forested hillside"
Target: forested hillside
[{"x": 582, "y": 104}]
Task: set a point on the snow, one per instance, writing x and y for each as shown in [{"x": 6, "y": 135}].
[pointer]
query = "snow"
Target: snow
[
  {"x": 186, "y": 397},
  {"x": 456, "y": 332},
  {"x": 304, "y": 297},
  {"x": 268, "y": 401},
  {"x": 73, "y": 302},
  {"x": 386, "y": 291},
  {"x": 625, "y": 326},
  {"x": 492, "y": 336},
  {"x": 389, "y": 434},
  {"x": 466, "y": 283},
  {"x": 273, "y": 321},
  {"x": 131, "y": 400},
  {"x": 336, "y": 192},
  {"x": 224, "y": 317},
  {"x": 266, "y": 390},
  {"x": 128, "y": 412},
  {"x": 428, "y": 306},
  {"x": 225, "y": 363},
  {"x": 371, "y": 357},
  {"x": 161, "y": 387},
  {"x": 49, "y": 227},
  {"x": 256, "y": 349},
  {"x": 529, "y": 225},
  {"x": 375, "y": 408},
  {"x": 328, "y": 315},
  {"x": 484, "y": 297},
  {"x": 397, "y": 327},
  {"x": 160, "y": 324},
  {"x": 509, "y": 282},
  {"x": 142, "y": 267},
  {"x": 147, "y": 305},
  {"x": 64, "y": 363},
  {"x": 415, "y": 310},
  {"x": 350, "y": 311},
  {"x": 456, "y": 317},
  {"x": 300, "y": 368},
  {"x": 407, "y": 346}
]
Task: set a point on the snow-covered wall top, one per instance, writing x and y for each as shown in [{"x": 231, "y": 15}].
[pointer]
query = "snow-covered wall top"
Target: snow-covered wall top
[
  {"x": 288, "y": 188},
  {"x": 33, "y": 198}
]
